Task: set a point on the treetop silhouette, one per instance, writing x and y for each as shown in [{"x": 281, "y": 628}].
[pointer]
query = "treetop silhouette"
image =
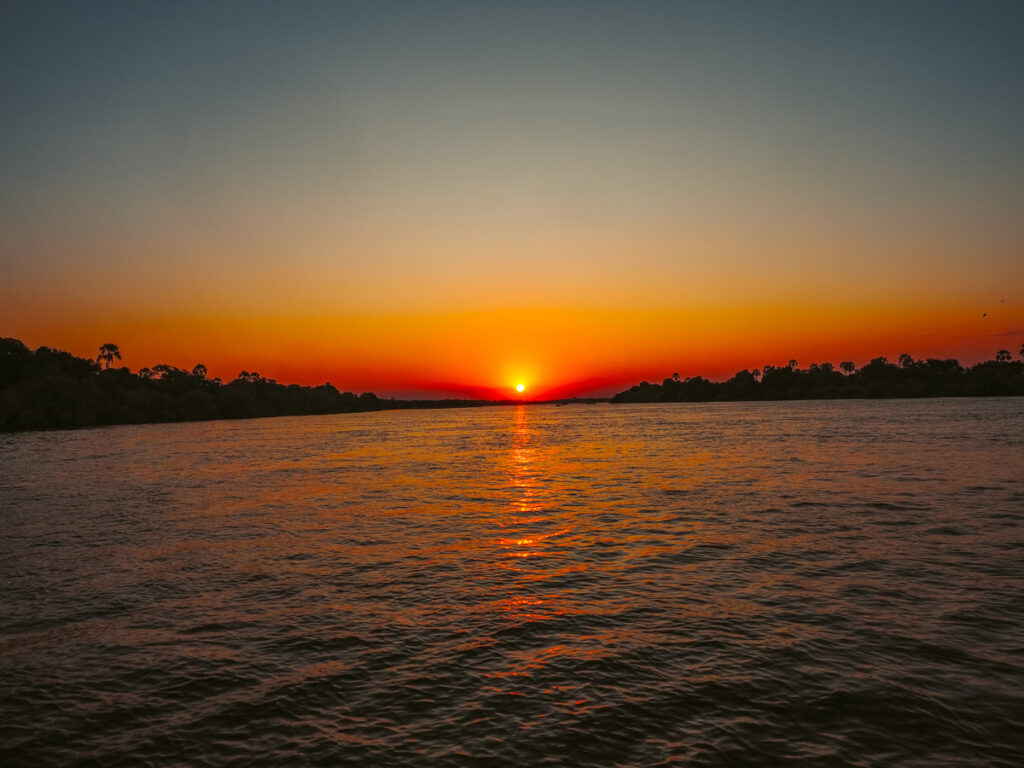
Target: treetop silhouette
[{"x": 108, "y": 352}]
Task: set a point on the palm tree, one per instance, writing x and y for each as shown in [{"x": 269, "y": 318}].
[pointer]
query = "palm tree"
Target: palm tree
[{"x": 107, "y": 354}]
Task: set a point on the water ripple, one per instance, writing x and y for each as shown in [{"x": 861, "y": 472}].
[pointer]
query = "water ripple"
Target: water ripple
[{"x": 728, "y": 584}]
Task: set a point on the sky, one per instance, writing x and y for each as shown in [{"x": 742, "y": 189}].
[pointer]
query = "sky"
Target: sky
[{"x": 450, "y": 198}]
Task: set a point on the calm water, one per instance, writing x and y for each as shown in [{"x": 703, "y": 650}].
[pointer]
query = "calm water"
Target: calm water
[{"x": 825, "y": 583}]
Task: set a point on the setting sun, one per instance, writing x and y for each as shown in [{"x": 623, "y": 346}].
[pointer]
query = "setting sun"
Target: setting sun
[{"x": 756, "y": 259}]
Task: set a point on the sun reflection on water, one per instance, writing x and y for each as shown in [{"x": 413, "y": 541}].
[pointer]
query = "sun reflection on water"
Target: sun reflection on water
[
  {"x": 523, "y": 475},
  {"x": 431, "y": 585},
  {"x": 535, "y": 557}
]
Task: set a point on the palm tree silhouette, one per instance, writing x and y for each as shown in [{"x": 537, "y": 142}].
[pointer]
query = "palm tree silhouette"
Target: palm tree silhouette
[{"x": 107, "y": 354}]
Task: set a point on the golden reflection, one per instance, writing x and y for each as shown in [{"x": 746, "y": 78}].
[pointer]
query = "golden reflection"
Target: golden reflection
[
  {"x": 523, "y": 475},
  {"x": 529, "y": 540},
  {"x": 534, "y": 557},
  {"x": 523, "y": 478}
]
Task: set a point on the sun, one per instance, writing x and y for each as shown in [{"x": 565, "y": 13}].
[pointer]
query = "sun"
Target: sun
[{"x": 520, "y": 387}]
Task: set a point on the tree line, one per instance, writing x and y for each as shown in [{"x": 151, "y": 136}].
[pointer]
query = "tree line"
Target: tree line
[
  {"x": 52, "y": 389},
  {"x": 880, "y": 378}
]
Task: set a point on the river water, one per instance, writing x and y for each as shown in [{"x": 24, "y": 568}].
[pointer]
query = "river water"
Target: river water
[{"x": 816, "y": 583}]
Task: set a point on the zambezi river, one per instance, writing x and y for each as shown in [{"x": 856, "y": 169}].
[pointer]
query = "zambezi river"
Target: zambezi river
[{"x": 830, "y": 583}]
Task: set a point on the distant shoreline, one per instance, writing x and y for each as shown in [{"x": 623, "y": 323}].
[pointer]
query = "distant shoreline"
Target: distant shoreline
[
  {"x": 879, "y": 379},
  {"x": 46, "y": 389}
]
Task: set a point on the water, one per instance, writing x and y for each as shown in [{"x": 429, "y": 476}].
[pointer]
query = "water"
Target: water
[{"x": 819, "y": 583}]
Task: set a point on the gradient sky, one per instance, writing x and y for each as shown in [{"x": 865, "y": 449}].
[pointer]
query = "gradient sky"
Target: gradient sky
[{"x": 442, "y": 197}]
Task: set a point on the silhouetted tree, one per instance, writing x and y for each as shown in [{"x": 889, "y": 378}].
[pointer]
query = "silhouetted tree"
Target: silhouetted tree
[
  {"x": 52, "y": 389},
  {"x": 742, "y": 386},
  {"x": 164, "y": 371},
  {"x": 1003, "y": 356},
  {"x": 108, "y": 352},
  {"x": 905, "y": 361},
  {"x": 847, "y": 367},
  {"x": 15, "y": 359}
]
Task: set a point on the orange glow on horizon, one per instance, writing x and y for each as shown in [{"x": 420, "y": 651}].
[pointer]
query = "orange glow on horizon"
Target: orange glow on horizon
[
  {"x": 552, "y": 353},
  {"x": 467, "y": 218}
]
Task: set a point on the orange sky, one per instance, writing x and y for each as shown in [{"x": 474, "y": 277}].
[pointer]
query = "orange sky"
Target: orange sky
[
  {"x": 450, "y": 200},
  {"x": 554, "y": 353}
]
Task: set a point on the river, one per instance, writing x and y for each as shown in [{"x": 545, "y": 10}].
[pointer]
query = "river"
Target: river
[{"x": 815, "y": 583}]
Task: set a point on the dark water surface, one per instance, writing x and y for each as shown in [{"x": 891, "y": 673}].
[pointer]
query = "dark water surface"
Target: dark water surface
[{"x": 823, "y": 583}]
